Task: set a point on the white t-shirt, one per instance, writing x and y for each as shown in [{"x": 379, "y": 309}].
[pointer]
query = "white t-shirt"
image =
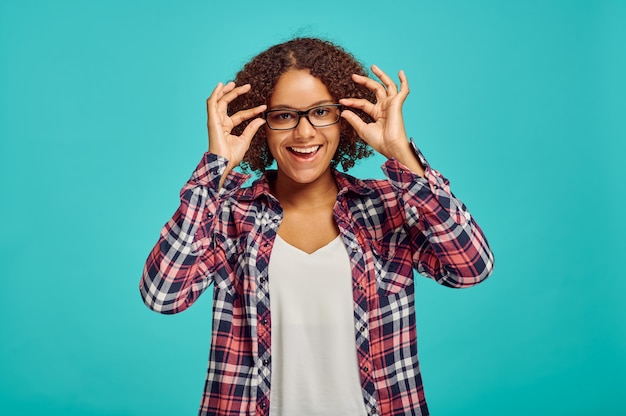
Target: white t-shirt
[{"x": 314, "y": 364}]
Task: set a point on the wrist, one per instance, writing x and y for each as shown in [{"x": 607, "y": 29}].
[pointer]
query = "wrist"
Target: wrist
[
  {"x": 399, "y": 150},
  {"x": 405, "y": 154}
]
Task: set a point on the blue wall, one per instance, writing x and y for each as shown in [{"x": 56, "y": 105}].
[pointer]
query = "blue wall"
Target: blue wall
[{"x": 520, "y": 104}]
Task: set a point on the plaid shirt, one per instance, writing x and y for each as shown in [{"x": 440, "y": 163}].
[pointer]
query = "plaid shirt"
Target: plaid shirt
[{"x": 389, "y": 227}]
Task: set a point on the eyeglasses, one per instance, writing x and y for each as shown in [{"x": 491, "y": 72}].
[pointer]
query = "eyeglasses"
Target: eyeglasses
[{"x": 320, "y": 116}]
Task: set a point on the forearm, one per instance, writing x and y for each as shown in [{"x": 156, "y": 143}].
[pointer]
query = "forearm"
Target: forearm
[
  {"x": 172, "y": 268},
  {"x": 457, "y": 254},
  {"x": 406, "y": 155},
  {"x": 449, "y": 246},
  {"x": 178, "y": 268}
]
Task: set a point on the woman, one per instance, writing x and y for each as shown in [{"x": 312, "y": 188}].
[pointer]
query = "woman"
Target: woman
[{"x": 312, "y": 269}]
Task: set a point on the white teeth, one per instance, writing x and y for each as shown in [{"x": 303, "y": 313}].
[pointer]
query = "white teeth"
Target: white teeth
[{"x": 310, "y": 149}]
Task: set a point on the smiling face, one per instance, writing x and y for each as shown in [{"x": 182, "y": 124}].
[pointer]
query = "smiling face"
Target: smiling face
[{"x": 303, "y": 154}]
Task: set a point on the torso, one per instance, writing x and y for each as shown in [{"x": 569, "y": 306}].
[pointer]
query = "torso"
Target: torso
[
  {"x": 309, "y": 229},
  {"x": 308, "y": 223},
  {"x": 315, "y": 370}
]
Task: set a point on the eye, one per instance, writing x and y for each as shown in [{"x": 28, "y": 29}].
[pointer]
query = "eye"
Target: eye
[
  {"x": 281, "y": 116},
  {"x": 321, "y": 112}
]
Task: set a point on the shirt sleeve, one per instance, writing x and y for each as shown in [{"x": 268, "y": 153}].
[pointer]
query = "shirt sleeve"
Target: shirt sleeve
[
  {"x": 449, "y": 246},
  {"x": 179, "y": 267}
]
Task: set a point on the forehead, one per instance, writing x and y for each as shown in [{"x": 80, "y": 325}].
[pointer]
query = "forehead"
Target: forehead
[{"x": 298, "y": 89}]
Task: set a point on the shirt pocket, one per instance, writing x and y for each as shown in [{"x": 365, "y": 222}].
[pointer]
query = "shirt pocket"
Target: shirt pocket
[
  {"x": 227, "y": 256},
  {"x": 392, "y": 274}
]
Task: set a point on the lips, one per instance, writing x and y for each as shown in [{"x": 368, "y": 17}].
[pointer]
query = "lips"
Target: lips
[
  {"x": 304, "y": 150},
  {"x": 309, "y": 149}
]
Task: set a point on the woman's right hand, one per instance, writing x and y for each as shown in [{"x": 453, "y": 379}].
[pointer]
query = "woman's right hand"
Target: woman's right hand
[{"x": 220, "y": 124}]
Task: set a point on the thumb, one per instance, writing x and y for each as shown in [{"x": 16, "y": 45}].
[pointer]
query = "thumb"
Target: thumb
[
  {"x": 251, "y": 129},
  {"x": 355, "y": 121}
]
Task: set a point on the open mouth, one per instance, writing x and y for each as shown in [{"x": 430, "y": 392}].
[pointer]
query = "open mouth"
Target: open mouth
[{"x": 304, "y": 152}]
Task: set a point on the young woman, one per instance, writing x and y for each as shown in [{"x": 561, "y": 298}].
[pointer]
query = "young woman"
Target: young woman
[{"x": 313, "y": 301}]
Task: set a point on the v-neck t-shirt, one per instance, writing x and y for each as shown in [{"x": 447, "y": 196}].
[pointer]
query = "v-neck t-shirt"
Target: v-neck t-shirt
[{"x": 314, "y": 361}]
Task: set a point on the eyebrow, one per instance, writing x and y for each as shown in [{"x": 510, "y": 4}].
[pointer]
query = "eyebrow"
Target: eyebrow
[{"x": 288, "y": 107}]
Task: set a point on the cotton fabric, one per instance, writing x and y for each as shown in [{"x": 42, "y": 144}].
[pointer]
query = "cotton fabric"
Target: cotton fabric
[{"x": 390, "y": 227}]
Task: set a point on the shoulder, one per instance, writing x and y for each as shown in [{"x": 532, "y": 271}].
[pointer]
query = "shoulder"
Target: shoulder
[
  {"x": 250, "y": 190},
  {"x": 365, "y": 187}
]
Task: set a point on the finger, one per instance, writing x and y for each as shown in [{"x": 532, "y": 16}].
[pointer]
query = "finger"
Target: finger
[
  {"x": 230, "y": 92},
  {"x": 217, "y": 94},
  {"x": 247, "y": 114},
  {"x": 221, "y": 89},
  {"x": 251, "y": 129},
  {"x": 234, "y": 92},
  {"x": 391, "y": 86},
  {"x": 360, "y": 103},
  {"x": 211, "y": 106},
  {"x": 224, "y": 94},
  {"x": 404, "y": 84},
  {"x": 217, "y": 91},
  {"x": 355, "y": 121},
  {"x": 376, "y": 87}
]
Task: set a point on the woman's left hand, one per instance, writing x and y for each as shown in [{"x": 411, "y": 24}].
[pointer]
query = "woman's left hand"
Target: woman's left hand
[{"x": 386, "y": 134}]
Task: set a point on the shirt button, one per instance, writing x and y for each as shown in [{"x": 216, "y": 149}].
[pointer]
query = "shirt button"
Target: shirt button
[
  {"x": 266, "y": 362},
  {"x": 263, "y": 405},
  {"x": 275, "y": 220},
  {"x": 263, "y": 279},
  {"x": 362, "y": 329},
  {"x": 366, "y": 369},
  {"x": 401, "y": 171},
  {"x": 359, "y": 287},
  {"x": 265, "y": 321},
  {"x": 209, "y": 215}
]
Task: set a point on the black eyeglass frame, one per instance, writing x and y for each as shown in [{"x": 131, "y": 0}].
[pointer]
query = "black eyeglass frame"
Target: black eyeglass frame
[{"x": 303, "y": 113}]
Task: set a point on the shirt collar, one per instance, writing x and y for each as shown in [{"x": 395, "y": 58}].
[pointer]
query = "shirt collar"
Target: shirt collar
[{"x": 346, "y": 184}]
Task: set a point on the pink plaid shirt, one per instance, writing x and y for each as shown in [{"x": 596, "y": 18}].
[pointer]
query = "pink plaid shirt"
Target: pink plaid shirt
[{"x": 389, "y": 227}]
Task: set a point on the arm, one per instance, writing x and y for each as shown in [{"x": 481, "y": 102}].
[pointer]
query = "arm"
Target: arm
[
  {"x": 181, "y": 265},
  {"x": 448, "y": 244}
]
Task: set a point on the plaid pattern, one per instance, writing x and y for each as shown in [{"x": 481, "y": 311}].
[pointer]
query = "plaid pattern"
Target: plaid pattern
[{"x": 389, "y": 226}]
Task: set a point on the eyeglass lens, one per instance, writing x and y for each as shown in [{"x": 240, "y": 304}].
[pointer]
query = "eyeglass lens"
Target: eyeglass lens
[{"x": 320, "y": 116}]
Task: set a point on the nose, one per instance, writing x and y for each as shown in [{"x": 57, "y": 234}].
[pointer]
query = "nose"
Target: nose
[{"x": 304, "y": 130}]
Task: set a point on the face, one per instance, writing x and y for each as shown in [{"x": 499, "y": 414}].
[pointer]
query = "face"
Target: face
[{"x": 303, "y": 154}]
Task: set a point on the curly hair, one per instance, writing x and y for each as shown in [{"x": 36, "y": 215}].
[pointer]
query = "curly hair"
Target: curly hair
[{"x": 326, "y": 61}]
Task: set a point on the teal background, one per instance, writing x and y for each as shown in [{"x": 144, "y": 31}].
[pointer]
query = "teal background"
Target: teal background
[{"x": 520, "y": 104}]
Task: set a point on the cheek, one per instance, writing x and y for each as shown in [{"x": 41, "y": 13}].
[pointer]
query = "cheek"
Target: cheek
[
  {"x": 337, "y": 135},
  {"x": 272, "y": 140}
]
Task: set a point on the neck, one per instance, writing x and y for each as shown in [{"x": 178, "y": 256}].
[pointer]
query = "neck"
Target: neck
[{"x": 290, "y": 194}]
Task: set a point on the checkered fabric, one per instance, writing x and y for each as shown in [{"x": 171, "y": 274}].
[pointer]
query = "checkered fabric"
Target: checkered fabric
[{"x": 390, "y": 227}]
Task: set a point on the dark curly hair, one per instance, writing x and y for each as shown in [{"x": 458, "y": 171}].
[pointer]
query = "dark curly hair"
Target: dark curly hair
[{"x": 326, "y": 61}]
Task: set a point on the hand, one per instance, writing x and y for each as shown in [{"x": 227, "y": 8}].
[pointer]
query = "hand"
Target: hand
[
  {"x": 220, "y": 124},
  {"x": 386, "y": 134}
]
